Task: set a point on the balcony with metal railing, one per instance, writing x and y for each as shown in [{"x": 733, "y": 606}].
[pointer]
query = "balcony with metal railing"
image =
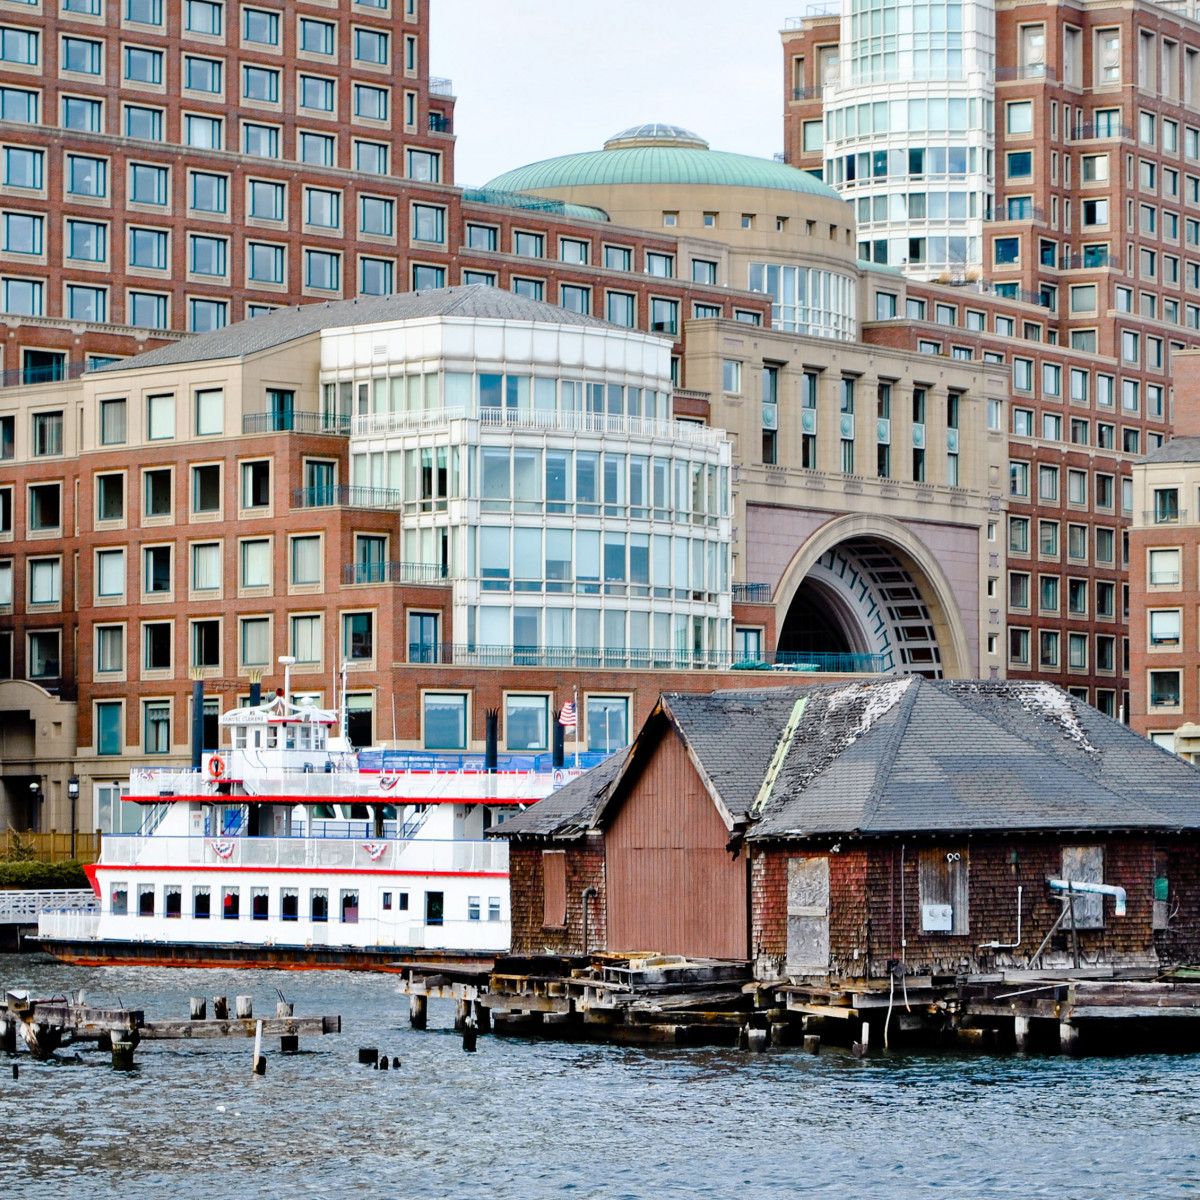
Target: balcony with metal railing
[
  {"x": 440, "y": 123},
  {"x": 439, "y": 85},
  {"x": 343, "y": 495},
  {"x": 329, "y": 424},
  {"x": 395, "y": 572},
  {"x": 58, "y": 371},
  {"x": 616, "y": 424},
  {"x": 1026, "y": 71},
  {"x": 752, "y": 593},
  {"x": 1089, "y": 130},
  {"x": 642, "y": 658}
]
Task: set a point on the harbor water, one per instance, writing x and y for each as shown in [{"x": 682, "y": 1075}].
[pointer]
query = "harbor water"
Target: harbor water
[{"x": 527, "y": 1118}]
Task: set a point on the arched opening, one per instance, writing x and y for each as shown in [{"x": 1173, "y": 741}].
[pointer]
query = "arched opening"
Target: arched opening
[{"x": 865, "y": 595}]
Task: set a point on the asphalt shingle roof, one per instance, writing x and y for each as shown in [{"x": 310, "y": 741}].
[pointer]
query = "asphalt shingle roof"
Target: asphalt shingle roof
[
  {"x": 569, "y": 811},
  {"x": 908, "y": 755},
  {"x": 479, "y": 301},
  {"x": 1178, "y": 449}
]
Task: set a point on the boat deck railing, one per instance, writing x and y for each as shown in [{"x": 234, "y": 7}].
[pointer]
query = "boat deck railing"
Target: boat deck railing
[
  {"x": 413, "y": 786},
  {"x": 420, "y": 856}
]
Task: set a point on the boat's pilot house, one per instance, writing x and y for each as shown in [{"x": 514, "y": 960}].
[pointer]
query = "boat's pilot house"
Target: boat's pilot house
[{"x": 280, "y": 735}]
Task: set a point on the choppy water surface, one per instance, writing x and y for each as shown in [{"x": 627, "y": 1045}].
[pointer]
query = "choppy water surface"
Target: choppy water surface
[{"x": 532, "y": 1119}]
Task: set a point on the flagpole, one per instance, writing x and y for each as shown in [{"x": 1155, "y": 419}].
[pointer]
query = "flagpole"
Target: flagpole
[{"x": 575, "y": 693}]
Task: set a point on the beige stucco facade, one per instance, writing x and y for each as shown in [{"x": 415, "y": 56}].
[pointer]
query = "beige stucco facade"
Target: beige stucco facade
[{"x": 791, "y": 512}]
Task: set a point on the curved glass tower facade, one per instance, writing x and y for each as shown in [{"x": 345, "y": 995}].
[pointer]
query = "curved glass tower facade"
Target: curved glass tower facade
[{"x": 908, "y": 131}]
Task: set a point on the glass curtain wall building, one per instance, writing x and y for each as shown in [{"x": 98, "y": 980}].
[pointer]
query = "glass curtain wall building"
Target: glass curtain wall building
[
  {"x": 908, "y": 131},
  {"x": 544, "y": 478}
]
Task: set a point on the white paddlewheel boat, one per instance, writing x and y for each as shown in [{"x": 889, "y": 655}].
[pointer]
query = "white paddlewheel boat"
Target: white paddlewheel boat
[{"x": 289, "y": 847}]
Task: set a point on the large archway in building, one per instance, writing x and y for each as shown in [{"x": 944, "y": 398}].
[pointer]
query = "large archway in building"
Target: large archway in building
[{"x": 866, "y": 585}]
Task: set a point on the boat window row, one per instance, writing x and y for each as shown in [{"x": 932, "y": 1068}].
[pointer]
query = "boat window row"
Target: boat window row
[{"x": 316, "y": 905}]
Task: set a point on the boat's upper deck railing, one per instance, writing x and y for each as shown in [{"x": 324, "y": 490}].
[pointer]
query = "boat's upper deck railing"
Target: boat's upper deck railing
[{"x": 416, "y": 855}]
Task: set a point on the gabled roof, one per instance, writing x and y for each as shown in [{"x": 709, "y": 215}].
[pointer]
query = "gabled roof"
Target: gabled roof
[
  {"x": 906, "y": 755},
  {"x": 569, "y": 812},
  {"x": 473, "y": 301}
]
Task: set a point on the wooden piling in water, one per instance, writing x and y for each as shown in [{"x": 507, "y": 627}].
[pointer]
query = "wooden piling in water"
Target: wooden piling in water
[
  {"x": 462, "y": 1014},
  {"x": 197, "y": 1008},
  {"x": 289, "y": 1043},
  {"x": 482, "y": 1016},
  {"x": 418, "y": 1011},
  {"x": 259, "y": 1066},
  {"x": 220, "y": 1008},
  {"x": 8, "y": 1036},
  {"x": 122, "y": 1056},
  {"x": 243, "y": 1007}
]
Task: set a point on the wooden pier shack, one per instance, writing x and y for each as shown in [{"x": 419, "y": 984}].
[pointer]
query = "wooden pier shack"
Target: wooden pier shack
[{"x": 986, "y": 860}]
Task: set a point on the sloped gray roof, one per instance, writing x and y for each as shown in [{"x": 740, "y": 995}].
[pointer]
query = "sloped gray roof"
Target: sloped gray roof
[
  {"x": 477, "y": 300},
  {"x": 950, "y": 756},
  {"x": 1178, "y": 449},
  {"x": 904, "y": 755},
  {"x": 568, "y": 812}
]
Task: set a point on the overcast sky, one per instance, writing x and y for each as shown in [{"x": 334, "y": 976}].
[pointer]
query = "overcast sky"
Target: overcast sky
[{"x": 537, "y": 78}]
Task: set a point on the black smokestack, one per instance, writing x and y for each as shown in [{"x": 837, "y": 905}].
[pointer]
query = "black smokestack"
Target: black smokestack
[{"x": 491, "y": 751}]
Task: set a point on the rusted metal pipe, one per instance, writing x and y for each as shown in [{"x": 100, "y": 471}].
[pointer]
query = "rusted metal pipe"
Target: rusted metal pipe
[{"x": 589, "y": 893}]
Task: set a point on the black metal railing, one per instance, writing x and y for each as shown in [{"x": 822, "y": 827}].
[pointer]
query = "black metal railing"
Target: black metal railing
[
  {"x": 53, "y": 372},
  {"x": 752, "y": 593},
  {"x": 625, "y": 658},
  {"x": 341, "y": 494},
  {"x": 394, "y": 572},
  {"x": 1088, "y": 129},
  {"x": 1093, "y": 259},
  {"x": 1028, "y": 71},
  {"x": 440, "y": 123},
  {"x": 296, "y": 422}
]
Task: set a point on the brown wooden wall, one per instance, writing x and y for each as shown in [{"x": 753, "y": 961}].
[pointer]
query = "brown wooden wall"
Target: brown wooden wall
[{"x": 672, "y": 886}]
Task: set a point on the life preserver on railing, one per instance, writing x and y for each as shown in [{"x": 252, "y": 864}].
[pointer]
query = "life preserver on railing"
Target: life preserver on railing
[{"x": 216, "y": 766}]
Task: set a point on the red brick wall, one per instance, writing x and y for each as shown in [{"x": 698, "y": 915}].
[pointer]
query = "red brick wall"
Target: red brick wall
[
  {"x": 1179, "y": 942},
  {"x": 872, "y": 910},
  {"x": 585, "y": 868}
]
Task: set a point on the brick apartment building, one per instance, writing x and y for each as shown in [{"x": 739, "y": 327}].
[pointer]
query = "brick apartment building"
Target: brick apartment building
[
  {"x": 1094, "y": 181},
  {"x": 867, "y": 427}
]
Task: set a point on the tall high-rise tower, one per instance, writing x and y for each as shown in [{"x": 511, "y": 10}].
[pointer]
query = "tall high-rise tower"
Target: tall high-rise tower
[{"x": 908, "y": 133}]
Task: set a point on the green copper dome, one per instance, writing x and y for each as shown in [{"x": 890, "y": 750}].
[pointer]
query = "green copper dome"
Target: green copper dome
[{"x": 659, "y": 154}]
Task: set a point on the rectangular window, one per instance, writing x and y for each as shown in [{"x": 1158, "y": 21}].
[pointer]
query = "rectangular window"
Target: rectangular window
[
  {"x": 260, "y": 26},
  {"x": 445, "y": 720},
  {"x": 323, "y": 270},
  {"x": 142, "y": 65},
  {"x": 429, "y": 224},
  {"x": 944, "y": 887}
]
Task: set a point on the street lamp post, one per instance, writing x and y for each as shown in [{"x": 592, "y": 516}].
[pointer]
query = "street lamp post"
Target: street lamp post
[{"x": 73, "y": 796}]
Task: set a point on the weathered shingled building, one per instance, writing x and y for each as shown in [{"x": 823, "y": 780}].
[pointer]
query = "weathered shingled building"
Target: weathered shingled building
[{"x": 844, "y": 829}]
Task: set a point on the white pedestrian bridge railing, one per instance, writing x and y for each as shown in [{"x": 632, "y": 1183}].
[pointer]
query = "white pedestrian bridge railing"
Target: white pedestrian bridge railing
[{"x": 24, "y": 907}]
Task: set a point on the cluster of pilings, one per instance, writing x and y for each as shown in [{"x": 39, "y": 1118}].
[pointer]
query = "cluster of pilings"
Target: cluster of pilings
[{"x": 45, "y": 1025}]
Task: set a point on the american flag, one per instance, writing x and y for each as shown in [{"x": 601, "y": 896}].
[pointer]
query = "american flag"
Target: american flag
[{"x": 566, "y": 715}]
